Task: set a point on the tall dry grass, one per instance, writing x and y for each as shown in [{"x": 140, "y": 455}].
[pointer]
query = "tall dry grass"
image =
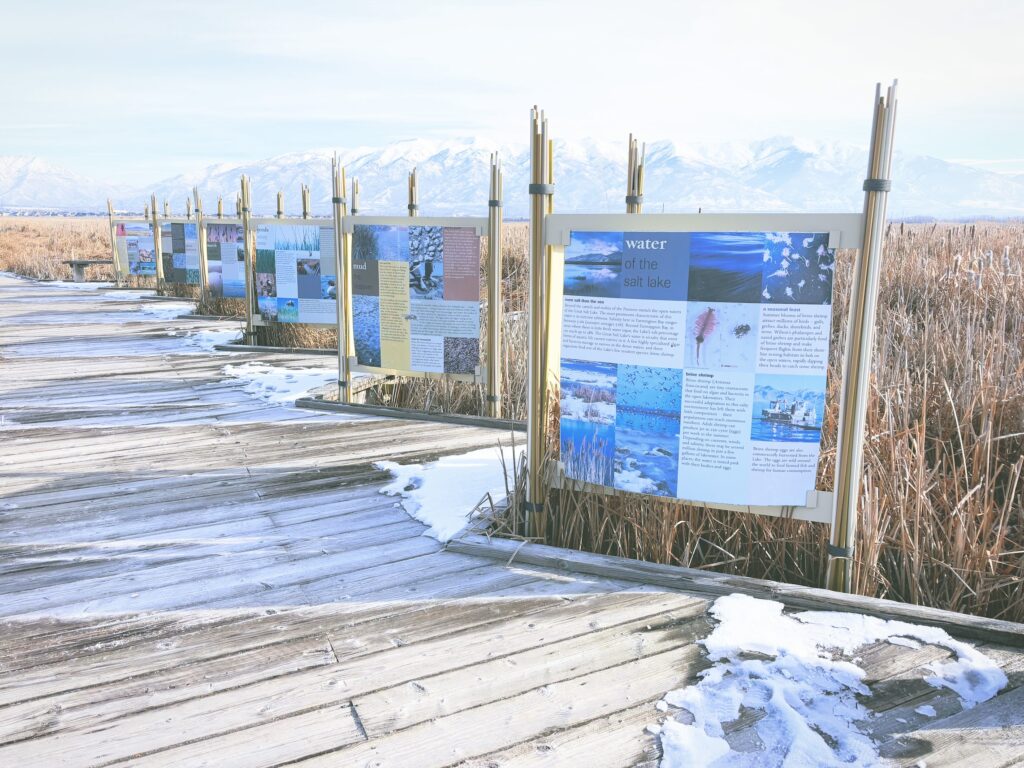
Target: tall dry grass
[
  {"x": 38, "y": 247},
  {"x": 942, "y": 508}
]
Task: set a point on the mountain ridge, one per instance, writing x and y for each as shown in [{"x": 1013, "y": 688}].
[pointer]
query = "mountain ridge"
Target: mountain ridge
[{"x": 776, "y": 174}]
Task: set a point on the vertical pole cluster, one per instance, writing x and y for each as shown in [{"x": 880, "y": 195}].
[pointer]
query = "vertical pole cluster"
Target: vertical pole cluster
[
  {"x": 158, "y": 242},
  {"x": 344, "y": 287},
  {"x": 220, "y": 207},
  {"x": 494, "y": 297},
  {"x": 414, "y": 194},
  {"x": 304, "y": 191},
  {"x": 856, "y": 375},
  {"x": 244, "y": 209},
  {"x": 355, "y": 196},
  {"x": 204, "y": 281},
  {"x": 635, "y": 176},
  {"x": 541, "y": 192},
  {"x": 280, "y": 205},
  {"x": 113, "y": 244}
]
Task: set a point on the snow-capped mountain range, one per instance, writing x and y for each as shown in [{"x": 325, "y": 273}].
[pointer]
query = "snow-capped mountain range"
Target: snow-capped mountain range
[{"x": 778, "y": 174}]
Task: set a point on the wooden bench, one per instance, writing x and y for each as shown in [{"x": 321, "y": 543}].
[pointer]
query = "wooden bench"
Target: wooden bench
[{"x": 78, "y": 267}]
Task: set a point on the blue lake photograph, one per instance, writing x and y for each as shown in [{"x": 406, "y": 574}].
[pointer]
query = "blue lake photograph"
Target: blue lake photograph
[
  {"x": 593, "y": 264},
  {"x": 726, "y": 266}
]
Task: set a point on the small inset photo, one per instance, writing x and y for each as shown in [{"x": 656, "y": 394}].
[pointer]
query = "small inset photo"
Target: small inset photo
[
  {"x": 593, "y": 264},
  {"x": 787, "y": 408},
  {"x": 797, "y": 269},
  {"x": 721, "y": 335}
]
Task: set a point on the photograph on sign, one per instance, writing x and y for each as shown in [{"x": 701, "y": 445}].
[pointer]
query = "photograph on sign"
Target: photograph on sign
[
  {"x": 135, "y": 247},
  {"x": 296, "y": 278},
  {"x": 416, "y": 297},
  {"x": 179, "y": 250},
  {"x": 693, "y": 363},
  {"x": 225, "y": 260}
]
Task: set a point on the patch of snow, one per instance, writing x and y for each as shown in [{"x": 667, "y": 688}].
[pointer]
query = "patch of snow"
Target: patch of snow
[
  {"x": 76, "y": 286},
  {"x": 206, "y": 340},
  {"x": 599, "y": 412},
  {"x": 279, "y": 384},
  {"x": 926, "y": 709},
  {"x": 166, "y": 310},
  {"x": 790, "y": 668},
  {"x": 442, "y": 494}
]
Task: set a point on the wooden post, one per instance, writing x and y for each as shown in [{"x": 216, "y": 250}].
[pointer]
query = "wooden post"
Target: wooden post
[
  {"x": 113, "y": 244},
  {"x": 860, "y": 337},
  {"x": 280, "y": 205},
  {"x": 145, "y": 214},
  {"x": 495, "y": 315},
  {"x": 541, "y": 192},
  {"x": 344, "y": 288},
  {"x": 414, "y": 195},
  {"x": 158, "y": 246},
  {"x": 635, "y": 177},
  {"x": 188, "y": 208},
  {"x": 245, "y": 206},
  {"x": 204, "y": 278}
]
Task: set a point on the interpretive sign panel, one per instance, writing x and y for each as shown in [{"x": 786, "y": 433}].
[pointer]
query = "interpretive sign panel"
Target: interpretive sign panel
[
  {"x": 416, "y": 297},
  {"x": 135, "y": 248},
  {"x": 693, "y": 363},
  {"x": 225, "y": 259},
  {"x": 179, "y": 249},
  {"x": 296, "y": 273}
]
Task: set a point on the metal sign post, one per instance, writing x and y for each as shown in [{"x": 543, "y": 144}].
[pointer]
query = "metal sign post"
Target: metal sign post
[
  {"x": 157, "y": 244},
  {"x": 204, "y": 278},
  {"x": 635, "y": 177},
  {"x": 495, "y": 314},
  {"x": 113, "y": 245},
  {"x": 245, "y": 209},
  {"x": 860, "y": 336},
  {"x": 541, "y": 192},
  {"x": 414, "y": 194},
  {"x": 344, "y": 289}
]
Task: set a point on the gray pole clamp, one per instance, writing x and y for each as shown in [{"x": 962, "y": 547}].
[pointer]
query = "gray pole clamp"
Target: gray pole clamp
[
  {"x": 413, "y": 207},
  {"x": 542, "y": 189},
  {"x": 634, "y": 199},
  {"x": 839, "y": 551},
  {"x": 339, "y": 200},
  {"x": 877, "y": 185},
  {"x": 494, "y": 203}
]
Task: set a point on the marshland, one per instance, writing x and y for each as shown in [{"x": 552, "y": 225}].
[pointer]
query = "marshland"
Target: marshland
[{"x": 942, "y": 508}]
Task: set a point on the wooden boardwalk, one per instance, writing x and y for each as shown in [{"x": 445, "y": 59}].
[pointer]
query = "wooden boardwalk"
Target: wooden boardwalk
[{"x": 192, "y": 577}]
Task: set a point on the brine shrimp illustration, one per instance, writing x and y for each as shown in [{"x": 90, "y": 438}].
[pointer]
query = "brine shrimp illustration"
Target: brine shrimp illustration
[
  {"x": 703, "y": 327},
  {"x": 741, "y": 330}
]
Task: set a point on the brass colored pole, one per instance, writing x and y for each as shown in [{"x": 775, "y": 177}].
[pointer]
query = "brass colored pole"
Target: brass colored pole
[
  {"x": 245, "y": 206},
  {"x": 860, "y": 338},
  {"x": 238, "y": 206},
  {"x": 167, "y": 209},
  {"x": 343, "y": 297},
  {"x": 113, "y": 243},
  {"x": 188, "y": 207},
  {"x": 635, "y": 176},
  {"x": 304, "y": 191},
  {"x": 220, "y": 207},
  {"x": 158, "y": 246},
  {"x": 145, "y": 214},
  {"x": 495, "y": 314},
  {"x": 541, "y": 204},
  {"x": 355, "y": 196},
  {"x": 280, "y": 205},
  {"x": 204, "y": 278},
  {"x": 414, "y": 195}
]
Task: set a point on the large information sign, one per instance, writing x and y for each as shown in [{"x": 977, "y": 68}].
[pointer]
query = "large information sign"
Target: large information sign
[
  {"x": 693, "y": 363},
  {"x": 296, "y": 274},
  {"x": 135, "y": 247},
  {"x": 416, "y": 297},
  {"x": 179, "y": 249},
  {"x": 225, "y": 259}
]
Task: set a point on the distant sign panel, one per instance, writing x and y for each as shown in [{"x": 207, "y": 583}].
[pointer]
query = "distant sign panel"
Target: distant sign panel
[
  {"x": 225, "y": 260},
  {"x": 693, "y": 363},
  {"x": 135, "y": 249},
  {"x": 416, "y": 297},
  {"x": 179, "y": 249},
  {"x": 296, "y": 276}
]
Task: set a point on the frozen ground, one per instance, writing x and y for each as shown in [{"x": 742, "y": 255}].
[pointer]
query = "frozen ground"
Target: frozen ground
[
  {"x": 280, "y": 384},
  {"x": 442, "y": 493},
  {"x": 798, "y": 672}
]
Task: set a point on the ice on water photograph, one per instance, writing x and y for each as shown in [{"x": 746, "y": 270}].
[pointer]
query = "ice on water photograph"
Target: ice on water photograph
[
  {"x": 593, "y": 264},
  {"x": 798, "y": 268},
  {"x": 587, "y": 420},
  {"x": 726, "y": 267},
  {"x": 788, "y": 408},
  {"x": 366, "y": 329},
  {"x": 721, "y": 335},
  {"x": 647, "y": 418}
]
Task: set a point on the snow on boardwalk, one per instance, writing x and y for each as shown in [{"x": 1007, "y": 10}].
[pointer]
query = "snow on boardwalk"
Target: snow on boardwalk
[{"x": 194, "y": 573}]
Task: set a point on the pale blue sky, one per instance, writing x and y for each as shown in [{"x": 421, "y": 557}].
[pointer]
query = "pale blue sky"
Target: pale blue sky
[{"x": 135, "y": 91}]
